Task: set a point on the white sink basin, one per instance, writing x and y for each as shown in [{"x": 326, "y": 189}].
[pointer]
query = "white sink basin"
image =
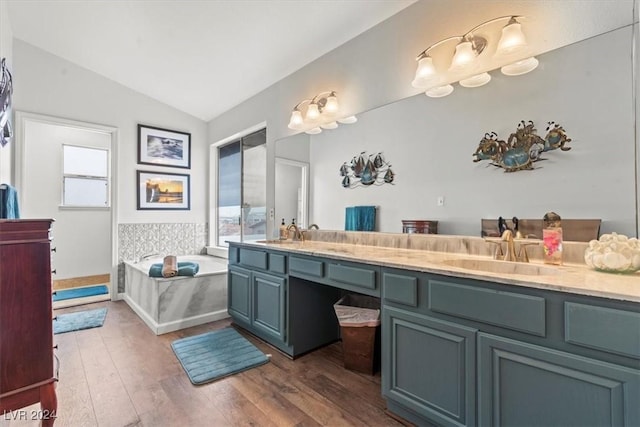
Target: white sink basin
[{"x": 502, "y": 267}]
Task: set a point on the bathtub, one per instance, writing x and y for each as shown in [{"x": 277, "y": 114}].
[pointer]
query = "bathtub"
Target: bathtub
[{"x": 167, "y": 305}]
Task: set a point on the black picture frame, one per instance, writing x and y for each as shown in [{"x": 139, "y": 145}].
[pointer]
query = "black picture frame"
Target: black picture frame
[
  {"x": 163, "y": 191},
  {"x": 163, "y": 147}
]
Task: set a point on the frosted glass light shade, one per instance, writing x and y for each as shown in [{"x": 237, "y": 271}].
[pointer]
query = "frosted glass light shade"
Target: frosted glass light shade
[
  {"x": 312, "y": 112},
  {"x": 296, "y": 121},
  {"x": 512, "y": 39},
  {"x": 463, "y": 57},
  {"x": 476, "y": 81},
  {"x": 425, "y": 73},
  {"x": 313, "y": 131},
  {"x": 330, "y": 125},
  {"x": 520, "y": 67},
  {"x": 439, "y": 92},
  {"x": 348, "y": 120},
  {"x": 332, "y": 104}
]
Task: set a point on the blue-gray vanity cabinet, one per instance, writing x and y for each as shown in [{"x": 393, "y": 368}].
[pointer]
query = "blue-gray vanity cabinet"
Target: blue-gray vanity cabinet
[
  {"x": 257, "y": 301},
  {"x": 429, "y": 368},
  {"x": 292, "y": 314},
  {"x": 257, "y": 293},
  {"x": 538, "y": 357},
  {"x": 524, "y": 384}
]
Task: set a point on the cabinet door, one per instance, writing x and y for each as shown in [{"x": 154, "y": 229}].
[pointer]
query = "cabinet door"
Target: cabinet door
[
  {"x": 429, "y": 366},
  {"x": 524, "y": 384},
  {"x": 269, "y": 308},
  {"x": 239, "y": 294}
]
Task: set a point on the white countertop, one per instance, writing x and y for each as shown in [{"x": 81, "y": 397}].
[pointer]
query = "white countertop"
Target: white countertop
[{"x": 572, "y": 278}]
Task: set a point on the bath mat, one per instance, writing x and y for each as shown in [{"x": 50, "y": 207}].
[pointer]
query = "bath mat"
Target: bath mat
[
  {"x": 79, "y": 320},
  {"x": 80, "y": 292},
  {"x": 213, "y": 355}
]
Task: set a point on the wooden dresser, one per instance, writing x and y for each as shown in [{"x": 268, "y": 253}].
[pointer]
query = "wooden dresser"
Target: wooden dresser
[
  {"x": 26, "y": 327},
  {"x": 419, "y": 226}
]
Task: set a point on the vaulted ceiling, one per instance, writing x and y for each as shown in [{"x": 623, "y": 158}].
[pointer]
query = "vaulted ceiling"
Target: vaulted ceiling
[{"x": 201, "y": 57}]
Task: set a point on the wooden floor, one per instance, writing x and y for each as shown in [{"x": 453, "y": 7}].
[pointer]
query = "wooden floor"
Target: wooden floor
[{"x": 121, "y": 374}]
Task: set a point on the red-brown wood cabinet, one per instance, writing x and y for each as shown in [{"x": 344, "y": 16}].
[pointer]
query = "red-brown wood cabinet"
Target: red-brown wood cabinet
[{"x": 26, "y": 327}]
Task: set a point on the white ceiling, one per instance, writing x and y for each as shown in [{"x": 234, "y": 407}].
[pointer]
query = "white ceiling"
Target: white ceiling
[{"x": 201, "y": 57}]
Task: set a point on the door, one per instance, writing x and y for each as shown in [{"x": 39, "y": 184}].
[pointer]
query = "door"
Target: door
[
  {"x": 268, "y": 310},
  {"x": 521, "y": 384},
  {"x": 239, "y": 294},
  {"x": 429, "y": 366},
  {"x": 52, "y": 183}
]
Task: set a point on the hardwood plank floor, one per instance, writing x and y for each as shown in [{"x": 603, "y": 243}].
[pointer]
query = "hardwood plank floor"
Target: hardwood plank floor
[{"x": 123, "y": 375}]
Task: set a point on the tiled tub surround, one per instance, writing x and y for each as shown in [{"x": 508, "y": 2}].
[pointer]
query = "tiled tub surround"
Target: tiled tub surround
[
  {"x": 434, "y": 254},
  {"x": 167, "y": 305},
  {"x": 161, "y": 239}
]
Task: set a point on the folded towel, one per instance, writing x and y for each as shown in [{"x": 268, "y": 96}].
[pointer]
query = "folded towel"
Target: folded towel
[
  {"x": 360, "y": 218},
  {"x": 185, "y": 268},
  {"x": 169, "y": 266}
]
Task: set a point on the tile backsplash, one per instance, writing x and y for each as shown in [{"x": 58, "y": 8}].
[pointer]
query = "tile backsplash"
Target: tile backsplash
[{"x": 138, "y": 240}]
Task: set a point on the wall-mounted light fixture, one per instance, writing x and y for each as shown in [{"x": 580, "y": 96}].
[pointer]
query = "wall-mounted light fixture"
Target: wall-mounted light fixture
[
  {"x": 321, "y": 112},
  {"x": 464, "y": 65}
]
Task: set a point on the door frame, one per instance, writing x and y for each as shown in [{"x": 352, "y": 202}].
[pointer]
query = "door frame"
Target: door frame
[{"x": 20, "y": 171}]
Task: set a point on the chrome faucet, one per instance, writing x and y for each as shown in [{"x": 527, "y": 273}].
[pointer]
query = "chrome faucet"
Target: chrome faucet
[
  {"x": 147, "y": 256},
  {"x": 510, "y": 254},
  {"x": 312, "y": 226},
  {"x": 297, "y": 234}
]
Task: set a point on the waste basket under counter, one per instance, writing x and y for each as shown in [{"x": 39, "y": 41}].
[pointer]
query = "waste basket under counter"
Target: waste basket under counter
[
  {"x": 359, "y": 319},
  {"x": 419, "y": 226}
]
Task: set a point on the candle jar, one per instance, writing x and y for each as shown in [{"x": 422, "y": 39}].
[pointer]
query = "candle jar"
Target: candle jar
[{"x": 552, "y": 239}]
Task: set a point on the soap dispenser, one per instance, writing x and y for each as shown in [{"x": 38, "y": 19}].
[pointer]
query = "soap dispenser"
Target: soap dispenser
[
  {"x": 552, "y": 238},
  {"x": 283, "y": 231}
]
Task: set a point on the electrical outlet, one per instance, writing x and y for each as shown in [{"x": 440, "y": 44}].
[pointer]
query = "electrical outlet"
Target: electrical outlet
[
  {"x": 440, "y": 200},
  {"x": 271, "y": 214}
]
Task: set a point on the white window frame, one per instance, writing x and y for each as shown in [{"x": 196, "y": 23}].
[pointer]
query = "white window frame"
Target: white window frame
[{"x": 106, "y": 179}]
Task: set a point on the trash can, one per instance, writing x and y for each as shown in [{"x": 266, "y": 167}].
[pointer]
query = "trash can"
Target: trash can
[{"x": 359, "y": 318}]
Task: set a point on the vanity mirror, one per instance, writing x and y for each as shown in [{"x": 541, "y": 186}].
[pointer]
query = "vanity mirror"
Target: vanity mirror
[{"x": 429, "y": 142}]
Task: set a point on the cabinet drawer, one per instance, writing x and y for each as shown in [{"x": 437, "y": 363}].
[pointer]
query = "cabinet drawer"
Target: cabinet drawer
[
  {"x": 509, "y": 310},
  {"x": 305, "y": 266},
  {"x": 607, "y": 329},
  {"x": 278, "y": 263},
  {"x": 251, "y": 258},
  {"x": 400, "y": 289},
  {"x": 356, "y": 276}
]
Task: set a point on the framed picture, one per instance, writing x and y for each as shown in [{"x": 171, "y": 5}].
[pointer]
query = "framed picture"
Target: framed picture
[
  {"x": 163, "y": 191},
  {"x": 163, "y": 147}
]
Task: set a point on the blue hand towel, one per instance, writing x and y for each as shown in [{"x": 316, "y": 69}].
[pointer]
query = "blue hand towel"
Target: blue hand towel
[
  {"x": 360, "y": 218},
  {"x": 351, "y": 219},
  {"x": 9, "y": 202},
  {"x": 185, "y": 268},
  {"x": 367, "y": 217}
]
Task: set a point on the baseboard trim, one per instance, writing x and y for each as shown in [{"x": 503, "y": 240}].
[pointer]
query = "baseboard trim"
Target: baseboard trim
[{"x": 166, "y": 327}]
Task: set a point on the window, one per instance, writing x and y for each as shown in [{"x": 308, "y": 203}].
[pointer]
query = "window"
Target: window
[
  {"x": 242, "y": 193},
  {"x": 85, "y": 181}
]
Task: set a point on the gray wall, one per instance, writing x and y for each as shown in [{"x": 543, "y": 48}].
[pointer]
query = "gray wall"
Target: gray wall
[
  {"x": 430, "y": 143},
  {"x": 48, "y": 84}
]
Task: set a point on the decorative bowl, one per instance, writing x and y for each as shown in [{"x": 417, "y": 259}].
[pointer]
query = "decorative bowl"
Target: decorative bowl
[{"x": 614, "y": 253}]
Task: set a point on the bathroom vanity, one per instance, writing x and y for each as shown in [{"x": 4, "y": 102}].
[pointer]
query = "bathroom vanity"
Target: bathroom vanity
[{"x": 465, "y": 341}]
